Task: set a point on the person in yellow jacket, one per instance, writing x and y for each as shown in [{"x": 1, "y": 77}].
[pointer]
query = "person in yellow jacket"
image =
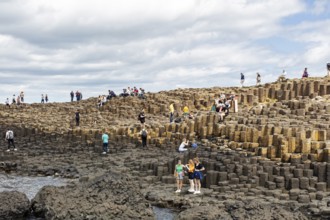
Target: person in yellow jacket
[
  {"x": 191, "y": 168},
  {"x": 171, "y": 112},
  {"x": 185, "y": 111}
]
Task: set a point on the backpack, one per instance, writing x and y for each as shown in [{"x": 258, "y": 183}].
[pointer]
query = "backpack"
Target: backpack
[
  {"x": 144, "y": 134},
  {"x": 10, "y": 134},
  {"x": 177, "y": 120}
]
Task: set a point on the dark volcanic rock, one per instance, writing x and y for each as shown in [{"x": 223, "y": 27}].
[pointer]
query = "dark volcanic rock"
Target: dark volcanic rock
[
  {"x": 110, "y": 196},
  {"x": 14, "y": 205}
]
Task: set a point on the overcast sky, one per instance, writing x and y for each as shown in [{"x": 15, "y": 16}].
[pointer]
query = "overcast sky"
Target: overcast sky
[{"x": 57, "y": 46}]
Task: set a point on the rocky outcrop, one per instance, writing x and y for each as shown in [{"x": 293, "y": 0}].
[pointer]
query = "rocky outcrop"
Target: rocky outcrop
[
  {"x": 275, "y": 148},
  {"x": 110, "y": 196},
  {"x": 14, "y": 205}
]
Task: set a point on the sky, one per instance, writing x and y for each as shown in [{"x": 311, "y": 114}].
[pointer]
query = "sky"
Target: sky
[{"x": 53, "y": 47}]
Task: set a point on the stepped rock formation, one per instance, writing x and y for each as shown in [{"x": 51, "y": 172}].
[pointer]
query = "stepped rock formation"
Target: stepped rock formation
[{"x": 275, "y": 148}]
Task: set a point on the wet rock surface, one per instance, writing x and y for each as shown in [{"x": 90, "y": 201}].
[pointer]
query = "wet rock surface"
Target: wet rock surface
[{"x": 14, "y": 205}]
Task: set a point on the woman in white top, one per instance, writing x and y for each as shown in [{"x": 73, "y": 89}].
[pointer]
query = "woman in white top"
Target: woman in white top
[{"x": 184, "y": 143}]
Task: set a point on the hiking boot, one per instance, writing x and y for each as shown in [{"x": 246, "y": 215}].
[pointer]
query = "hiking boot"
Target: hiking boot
[
  {"x": 8, "y": 150},
  {"x": 104, "y": 152},
  {"x": 15, "y": 149}
]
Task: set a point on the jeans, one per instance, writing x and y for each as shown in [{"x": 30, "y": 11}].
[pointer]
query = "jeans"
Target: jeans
[
  {"x": 144, "y": 141},
  {"x": 105, "y": 147},
  {"x": 171, "y": 117},
  {"x": 11, "y": 142}
]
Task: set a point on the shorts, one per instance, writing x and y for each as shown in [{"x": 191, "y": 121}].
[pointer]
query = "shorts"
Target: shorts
[
  {"x": 191, "y": 176},
  {"x": 180, "y": 176},
  {"x": 198, "y": 175}
]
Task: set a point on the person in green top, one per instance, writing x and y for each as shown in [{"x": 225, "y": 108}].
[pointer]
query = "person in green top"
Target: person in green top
[
  {"x": 178, "y": 173},
  {"x": 105, "y": 139}
]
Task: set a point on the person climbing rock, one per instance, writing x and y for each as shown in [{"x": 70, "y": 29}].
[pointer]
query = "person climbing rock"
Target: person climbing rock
[
  {"x": 142, "y": 117},
  {"x": 10, "y": 139}
]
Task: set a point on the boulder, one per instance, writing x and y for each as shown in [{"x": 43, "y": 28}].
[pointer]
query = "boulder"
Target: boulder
[{"x": 14, "y": 205}]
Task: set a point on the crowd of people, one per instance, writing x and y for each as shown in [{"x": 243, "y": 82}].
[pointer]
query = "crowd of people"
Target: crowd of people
[
  {"x": 134, "y": 91},
  {"x": 194, "y": 169},
  {"x": 78, "y": 95},
  {"x": 281, "y": 78}
]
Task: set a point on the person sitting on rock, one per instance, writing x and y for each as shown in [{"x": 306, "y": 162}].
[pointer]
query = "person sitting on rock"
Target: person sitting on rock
[
  {"x": 142, "y": 117},
  {"x": 282, "y": 77},
  {"x": 111, "y": 95},
  {"x": 305, "y": 74},
  {"x": 135, "y": 91},
  {"x": 125, "y": 93},
  {"x": 191, "y": 168},
  {"x": 220, "y": 109},
  {"x": 10, "y": 139},
  {"x": 7, "y": 103},
  {"x": 179, "y": 174},
  {"x": 182, "y": 146},
  {"x": 99, "y": 101},
  {"x": 198, "y": 175}
]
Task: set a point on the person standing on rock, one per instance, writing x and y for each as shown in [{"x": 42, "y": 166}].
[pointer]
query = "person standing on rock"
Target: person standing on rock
[
  {"x": 10, "y": 139},
  {"x": 105, "y": 139},
  {"x": 142, "y": 117},
  {"x": 171, "y": 112},
  {"x": 14, "y": 99},
  {"x": 242, "y": 79},
  {"x": 144, "y": 136},
  {"x": 179, "y": 174},
  {"x": 77, "y": 117},
  {"x": 191, "y": 168},
  {"x": 72, "y": 95},
  {"x": 22, "y": 96},
  {"x": 198, "y": 175},
  {"x": 42, "y": 98},
  {"x": 46, "y": 98},
  {"x": 258, "y": 79},
  {"x": 305, "y": 74}
]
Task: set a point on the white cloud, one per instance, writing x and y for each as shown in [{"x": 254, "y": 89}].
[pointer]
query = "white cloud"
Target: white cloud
[{"x": 57, "y": 46}]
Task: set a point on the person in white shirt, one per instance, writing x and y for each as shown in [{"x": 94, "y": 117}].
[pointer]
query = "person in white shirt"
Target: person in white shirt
[
  {"x": 10, "y": 139},
  {"x": 182, "y": 146}
]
